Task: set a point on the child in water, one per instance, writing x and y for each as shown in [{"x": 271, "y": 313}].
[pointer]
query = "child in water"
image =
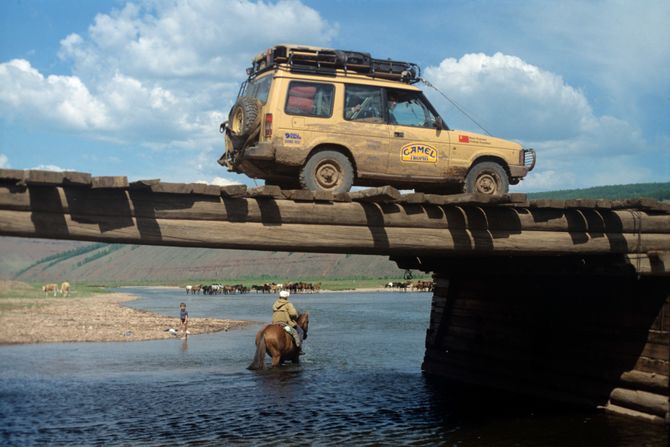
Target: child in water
[{"x": 183, "y": 314}]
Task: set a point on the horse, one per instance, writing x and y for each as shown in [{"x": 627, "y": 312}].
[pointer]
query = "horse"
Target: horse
[{"x": 278, "y": 343}]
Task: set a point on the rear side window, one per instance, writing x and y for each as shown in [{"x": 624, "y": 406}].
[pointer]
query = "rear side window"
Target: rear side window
[
  {"x": 258, "y": 88},
  {"x": 309, "y": 99}
]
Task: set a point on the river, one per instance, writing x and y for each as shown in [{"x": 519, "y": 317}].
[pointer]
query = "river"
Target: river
[{"x": 359, "y": 383}]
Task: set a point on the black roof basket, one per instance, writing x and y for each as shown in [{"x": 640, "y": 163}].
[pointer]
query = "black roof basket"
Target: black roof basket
[{"x": 325, "y": 61}]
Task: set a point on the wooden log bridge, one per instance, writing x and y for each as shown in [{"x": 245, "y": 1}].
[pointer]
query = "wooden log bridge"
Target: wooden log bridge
[{"x": 568, "y": 300}]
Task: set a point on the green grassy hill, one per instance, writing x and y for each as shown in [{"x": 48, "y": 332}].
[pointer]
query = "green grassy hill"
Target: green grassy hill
[
  {"x": 658, "y": 191},
  {"x": 121, "y": 263}
]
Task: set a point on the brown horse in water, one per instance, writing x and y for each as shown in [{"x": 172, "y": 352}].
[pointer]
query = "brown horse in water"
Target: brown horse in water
[{"x": 278, "y": 343}]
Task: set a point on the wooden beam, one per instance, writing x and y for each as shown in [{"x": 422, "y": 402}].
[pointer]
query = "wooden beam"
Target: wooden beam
[
  {"x": 379, "y": 194},
  {"x": 109, "y": 182},
  {"x": 315, "y": 238},
  {"x": 234, "y": 191},
  {"x": 12, "y": 175},
  {"x": 143, "y": 203},
  {"x": 77, "y": 178},
  {"x": 265, "y": 192},
  {"x": 36, "y": 177},
  {"x": 144, "y": 184},
  {"x": 647, "y": 402}
]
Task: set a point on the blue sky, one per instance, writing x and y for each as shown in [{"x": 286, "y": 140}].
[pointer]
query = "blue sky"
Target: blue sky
[{"x": 139, "y": 88}]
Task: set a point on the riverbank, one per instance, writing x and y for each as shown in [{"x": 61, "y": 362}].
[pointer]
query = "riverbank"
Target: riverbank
[{"x": 92, "y": 319}]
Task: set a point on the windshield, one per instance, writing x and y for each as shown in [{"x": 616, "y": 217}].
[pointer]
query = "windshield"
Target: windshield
[
  {"x": 258, "y": 88},
  {"x": 407, "y": 108}
]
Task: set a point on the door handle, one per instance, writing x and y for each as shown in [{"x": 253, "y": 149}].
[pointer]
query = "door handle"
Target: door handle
[{"x": 399, "y": 134}]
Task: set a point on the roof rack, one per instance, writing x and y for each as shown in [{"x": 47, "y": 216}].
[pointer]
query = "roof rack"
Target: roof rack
[{"x": 326, "y": 61}]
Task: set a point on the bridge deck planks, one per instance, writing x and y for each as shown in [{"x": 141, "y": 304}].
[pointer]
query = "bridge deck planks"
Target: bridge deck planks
[{"x": 374, "y": 220}]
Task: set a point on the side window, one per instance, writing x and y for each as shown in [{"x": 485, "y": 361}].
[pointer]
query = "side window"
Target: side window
[
  {"x": 258, "y": 88},
  {"x": 363, "y": 103},
  {"x": 408, "y": 109},
  {"x": 309, "y": 99}
]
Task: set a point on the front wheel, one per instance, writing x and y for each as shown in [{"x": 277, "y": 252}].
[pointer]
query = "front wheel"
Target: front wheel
[
  {"x": 327, "y": 171},
  {"x": 487, "y": 177}
]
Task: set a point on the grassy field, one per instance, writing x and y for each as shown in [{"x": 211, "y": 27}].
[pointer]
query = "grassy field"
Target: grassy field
[{"x": 16, "y": 289}]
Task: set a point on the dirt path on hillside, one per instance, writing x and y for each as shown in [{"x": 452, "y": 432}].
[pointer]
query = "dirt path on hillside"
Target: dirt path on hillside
[{"x": 97, "y": 318}]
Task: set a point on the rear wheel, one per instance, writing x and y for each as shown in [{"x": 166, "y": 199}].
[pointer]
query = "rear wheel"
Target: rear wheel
[
  {"x": 487, "y": 177},
  {"x": 327, "y": 171}
]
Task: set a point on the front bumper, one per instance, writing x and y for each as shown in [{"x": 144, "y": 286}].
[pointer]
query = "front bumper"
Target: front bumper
[{"x": 526, "y": 164}]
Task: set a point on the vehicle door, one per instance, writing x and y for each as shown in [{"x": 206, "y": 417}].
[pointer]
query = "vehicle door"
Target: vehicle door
[
  {"x": 418, "y": 149},
  {"x": 364, "y": 130}
]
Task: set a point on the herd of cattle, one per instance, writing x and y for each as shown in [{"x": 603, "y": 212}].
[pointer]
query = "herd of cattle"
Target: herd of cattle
[{"x": 63, "y": 290}]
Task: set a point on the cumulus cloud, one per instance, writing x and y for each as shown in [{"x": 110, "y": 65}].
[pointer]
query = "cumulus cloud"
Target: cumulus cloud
[
  {"x": 179, "y": 39},
  {"x": 4, "y": 161},
  {"x": 517, "y": 100},
  {"x": 26, "y": 94},
  {"x": 157, "y": 74}
]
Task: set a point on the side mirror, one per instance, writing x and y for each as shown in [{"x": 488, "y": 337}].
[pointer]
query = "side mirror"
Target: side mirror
[{"x": 439, "y": 124}]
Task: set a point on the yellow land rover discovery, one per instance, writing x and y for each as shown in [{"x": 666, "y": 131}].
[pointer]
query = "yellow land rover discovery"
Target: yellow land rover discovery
[{"x": 324, "y": 119}]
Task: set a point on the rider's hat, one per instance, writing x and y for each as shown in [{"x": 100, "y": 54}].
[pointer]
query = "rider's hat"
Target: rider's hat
[{"x": 284, "y": 294}]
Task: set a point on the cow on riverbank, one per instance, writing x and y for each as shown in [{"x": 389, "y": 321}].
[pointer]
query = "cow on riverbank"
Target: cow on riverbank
[
  {"x": 50, "y": 288},
  {"x": 65, "y": 289}
]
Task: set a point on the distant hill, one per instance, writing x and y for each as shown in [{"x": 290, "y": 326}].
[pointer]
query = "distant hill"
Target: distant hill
[
  {"x": 95, "y": 262},
  {"x": 658, "y": 191}
]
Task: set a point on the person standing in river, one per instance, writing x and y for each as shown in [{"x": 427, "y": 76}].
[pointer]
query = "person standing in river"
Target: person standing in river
[{"x": 183, "y": 315}]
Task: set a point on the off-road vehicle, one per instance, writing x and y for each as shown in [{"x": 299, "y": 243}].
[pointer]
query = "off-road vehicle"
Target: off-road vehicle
[{"x": 318, "y": 118}]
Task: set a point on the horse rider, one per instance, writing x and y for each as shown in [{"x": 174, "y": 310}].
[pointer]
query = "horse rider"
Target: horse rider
[{"x": 284, "y": 312}]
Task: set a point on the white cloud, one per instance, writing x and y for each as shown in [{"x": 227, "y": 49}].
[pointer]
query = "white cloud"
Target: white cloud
[
  {"x": 4, "y": 161},
  {"x": 517, "y": 100},
  {"x": 219, "y": 181},
  {"x": 508, "y": 94},
  {"x": 25, "y": 94},
  {"x": 156, "y": 74},
  {"x": 50, "y": 168},
  {"x": 178, "y": 39}
]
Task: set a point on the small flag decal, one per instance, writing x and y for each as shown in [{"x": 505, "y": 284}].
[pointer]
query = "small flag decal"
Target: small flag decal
[{"x": 463, "y": 139}]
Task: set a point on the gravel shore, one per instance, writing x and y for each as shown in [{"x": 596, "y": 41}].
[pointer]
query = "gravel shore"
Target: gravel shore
[{"x": 97, "y": 318}]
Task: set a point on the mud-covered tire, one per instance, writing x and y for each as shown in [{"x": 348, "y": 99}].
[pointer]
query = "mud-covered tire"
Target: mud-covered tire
[
  {"x": 327, "y": 171},
  {"x": 487, "y": 177},
  {"x": 245, "y": 117}
]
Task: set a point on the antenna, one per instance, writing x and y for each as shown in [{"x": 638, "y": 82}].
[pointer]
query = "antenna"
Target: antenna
[{"x": 460, "y": 109}]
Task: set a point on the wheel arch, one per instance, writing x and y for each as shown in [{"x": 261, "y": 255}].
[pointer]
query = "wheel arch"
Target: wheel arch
[
  {"x": 491, "y": 158},
  {"x": 333, "y": 147}
]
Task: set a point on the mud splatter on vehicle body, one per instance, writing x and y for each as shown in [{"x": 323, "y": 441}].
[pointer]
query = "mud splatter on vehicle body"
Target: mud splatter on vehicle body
[{"x": 325, "y": 119}]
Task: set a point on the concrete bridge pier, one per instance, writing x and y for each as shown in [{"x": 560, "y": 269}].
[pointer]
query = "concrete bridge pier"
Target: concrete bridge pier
[{"x": 588, "y": 331}]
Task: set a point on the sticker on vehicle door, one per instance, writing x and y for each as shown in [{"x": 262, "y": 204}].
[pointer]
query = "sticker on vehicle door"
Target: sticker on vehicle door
[
  {"x": 418, "y": 153},
  {"x": 292, "y": 138}
]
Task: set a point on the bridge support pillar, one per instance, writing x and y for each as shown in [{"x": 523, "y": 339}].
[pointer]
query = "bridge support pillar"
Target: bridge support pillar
[{"x": 570, "y": 332}]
